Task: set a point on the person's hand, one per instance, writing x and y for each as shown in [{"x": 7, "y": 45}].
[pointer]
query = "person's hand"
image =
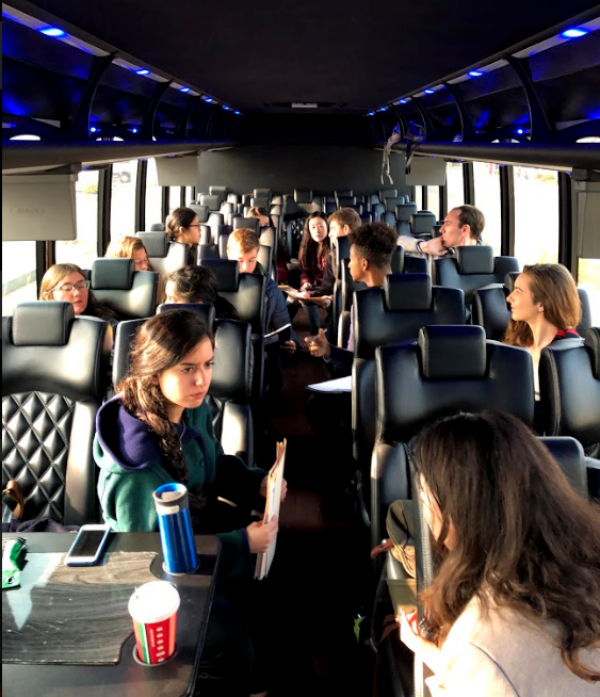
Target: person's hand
[
  {"x": 288, "y": 347},
  {"x": 260, "y": 535},
  {"x": 306, "y": 286},
  {"x": 284, "y": 489},
  {"x": 324, "y": 301},
  {"x": 426, "y": 650},
  {"x": 433, "y": 247},
  {"x": 318, "y": 345}
]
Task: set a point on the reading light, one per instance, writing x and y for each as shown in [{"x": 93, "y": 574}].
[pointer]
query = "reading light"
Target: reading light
[
  {"x": 225, "y": 107},
  {"x": 574, "y": 33},
  {"x": 403, "y": 101},
  {"x": 93, "y": 129},
  {"x": 142, "y": 72},
  {"x": 208, "y": 100},
  {"x": 237, "y": 113},
  {"x": 185, "y": 90},
  {"x": 54, "y": 32},
  {"x": 475, "y": 73},
  {"x": 429, "y": 91},
  {"x": 520, "y": 131},
  {"x": 371, "y": 113},
  {"x": 383, "y": 108},
  {"x": 135, "y": 130}
]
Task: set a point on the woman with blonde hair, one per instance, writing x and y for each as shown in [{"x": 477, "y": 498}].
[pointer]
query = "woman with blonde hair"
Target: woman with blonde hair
[
  {"x": 68, "y": 283},
  {"x": 545, "y": 308},
  {"x": 514, "y": 606},
  {"x": 130, "y": 248}
]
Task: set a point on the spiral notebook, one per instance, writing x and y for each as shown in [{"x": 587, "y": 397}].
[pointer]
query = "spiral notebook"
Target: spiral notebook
[{"x": 274, "y": 483}]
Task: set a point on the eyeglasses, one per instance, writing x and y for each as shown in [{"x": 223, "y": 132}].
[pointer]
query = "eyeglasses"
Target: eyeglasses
[
  {"x": 70, "y": 287},
  {"x": 194, "y": 225}
]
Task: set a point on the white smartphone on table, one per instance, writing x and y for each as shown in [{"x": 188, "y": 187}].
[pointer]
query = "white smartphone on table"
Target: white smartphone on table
[{"x": 88, "y": 547}]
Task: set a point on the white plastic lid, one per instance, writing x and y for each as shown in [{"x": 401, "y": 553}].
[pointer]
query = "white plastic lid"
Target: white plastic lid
[{"x": 154, "y": 602}]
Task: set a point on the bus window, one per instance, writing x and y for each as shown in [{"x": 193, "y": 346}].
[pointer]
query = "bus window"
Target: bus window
[
  {"x": 454, "y": 183},
  {"x": 83, "y": 250},
  {"x": 419, "y": 197},
  {"x": 122, "y": 214},
  {"x": 487, "y": 198},
  {"x": 153, "y": 196},
  {"x": 189, "y": 195},
  {"x": 433, "y": 200},
  {"x": 589, "y": 279},
  {"x": 174, "y": 198},
  {"x": 18, "y": 274},
  {"x": 536, "y": 215}
]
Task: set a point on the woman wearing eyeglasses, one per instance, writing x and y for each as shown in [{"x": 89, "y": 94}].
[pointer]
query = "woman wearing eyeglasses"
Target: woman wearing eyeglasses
[
  {"x": 67, "y": 282},
  {"x": 183, "y": 226}
]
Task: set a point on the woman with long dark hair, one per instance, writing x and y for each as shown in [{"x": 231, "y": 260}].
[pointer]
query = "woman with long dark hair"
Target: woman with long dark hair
[
  {"x": 314, "y": 252},
  {"x": 514, "y": 608},
  {"x": 158, "y": 430}
]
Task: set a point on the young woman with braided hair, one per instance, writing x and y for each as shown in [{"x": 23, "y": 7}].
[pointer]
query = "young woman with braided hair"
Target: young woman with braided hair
[{"x": 158, "y": 429}]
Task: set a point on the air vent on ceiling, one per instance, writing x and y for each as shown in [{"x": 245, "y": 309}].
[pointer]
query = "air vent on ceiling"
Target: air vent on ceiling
[{"x": 305, "y": 105}]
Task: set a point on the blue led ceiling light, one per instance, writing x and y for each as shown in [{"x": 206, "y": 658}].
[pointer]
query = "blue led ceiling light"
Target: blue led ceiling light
[
  {"x": 383, "y": 108},
  {"x": 429, "y": 91},
  {"x": 574, "y": 33},
  {"x": 371, "y": 113},
  {"x": 135, "y": 130},
  {"x": 520, "y": 131},
  {"x": 54, "y": 32},
  {"x": 208, "y": 100},
  {"x": 475, "y": 73},
  {"x": 185, "y": 90},
  {"x": 142, "y": 72},
  {"x": 237, "y": 113},
  {"x": 93, "y": 129},
  {"x": 403, "y": 101},
  {"x": 225, "y": 107}
]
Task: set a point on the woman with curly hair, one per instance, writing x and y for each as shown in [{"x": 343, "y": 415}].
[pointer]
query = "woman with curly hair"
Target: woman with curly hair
[{"x": 514, "y": 607}]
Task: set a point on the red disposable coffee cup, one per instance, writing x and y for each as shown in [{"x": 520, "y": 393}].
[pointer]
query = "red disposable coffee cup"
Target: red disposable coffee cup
[{"x": 153, "y": 608}]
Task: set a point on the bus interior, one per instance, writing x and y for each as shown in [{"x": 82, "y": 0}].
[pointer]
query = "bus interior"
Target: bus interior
[{"x": 117, "y": 113}]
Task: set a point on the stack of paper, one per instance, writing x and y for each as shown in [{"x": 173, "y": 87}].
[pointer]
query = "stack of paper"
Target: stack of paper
[{"x": 274, "y": 483}]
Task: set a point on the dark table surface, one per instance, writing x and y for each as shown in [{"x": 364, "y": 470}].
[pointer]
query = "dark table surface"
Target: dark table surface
[{"x": 127, "y": 678}]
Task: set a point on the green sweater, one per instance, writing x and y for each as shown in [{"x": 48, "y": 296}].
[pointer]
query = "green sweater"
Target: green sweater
[{"x": 130, "y": 471}]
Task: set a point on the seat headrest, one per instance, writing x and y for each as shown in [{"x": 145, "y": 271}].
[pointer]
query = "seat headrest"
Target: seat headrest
[
  {"x": 263, "y": 193},
  {"x": 227, "y": 273},
  {"x": 509, "y": 280},
  {"x": 303, "y": 196},
  {"x": 398, "y": 260},
  {"x": 157, "y": 227},
  {"x": 232, "y": 374},
  {"x": 248, "y": 223},
  {"x": 592, "y": 341},
  {"x": 206, "y": 311},
  {"x": 475, "y": 259},
  {"x": 112, "y": 274},
  {"x": 404, "y": 211},
  {"x": 408, "y": 291},
  {"x": 343, "y": 247},
  {"x": 42, "y": 323},
  {"x": 452, "y": 352},
  {"x": 217, "y": 191},
  {"x": 156, "y": 243},
  {"x": 422, "y": 222}
]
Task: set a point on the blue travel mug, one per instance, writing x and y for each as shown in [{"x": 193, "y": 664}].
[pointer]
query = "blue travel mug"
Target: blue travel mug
[{"x": 175, "y": 525}]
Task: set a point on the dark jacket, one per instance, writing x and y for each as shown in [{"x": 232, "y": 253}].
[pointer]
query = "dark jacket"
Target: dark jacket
[{"x": 276, "y": 312}]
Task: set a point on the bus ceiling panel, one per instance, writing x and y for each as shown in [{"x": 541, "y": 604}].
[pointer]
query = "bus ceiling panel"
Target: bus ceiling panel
[
  {"x": 560, "y": 157},
  {"x": 166, "y": 34},
  {"x": 20, "y": 157},
  {"x": 29, "y": 90},
  {"x": 569, "y": 99},
  {"x": 568, "y": 58},
  {"x": 28, "y": 46}
]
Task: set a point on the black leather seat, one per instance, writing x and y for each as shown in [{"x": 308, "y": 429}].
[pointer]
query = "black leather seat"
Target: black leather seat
[
  {"x": 231, "y": 384},
  {"x": 263, "y": 193},
  {"x": 422, "y": 223},
  {"x": 246, "y": 292},
  {"x": 54, "y": 377},
  {"x": 392, "y": 202},
  {"x": 491, "y": 311},
  {"x": 387, "y": 193},
  {"x": 248, "y": 223},
  {"x": 220, "y": 191},
  {"x": 132, "y": 293},
  {"x": 201, "y": 211},
  {"x": 164, "y": 256},
  {"x": 569, "y": 373},
  {"x": 212, "y": 202},
  {"x": 157, "y": 227},
  {"x": 448, "y": 369},
  {"x": 378, "y": 211},
  {"x": 268, "y": 237},
  {"x": 473, "y": 267},
  {"x": 228, "y": 210},
  {"x": 236, "y": 199},
  {"x": 396, "y": 312}
]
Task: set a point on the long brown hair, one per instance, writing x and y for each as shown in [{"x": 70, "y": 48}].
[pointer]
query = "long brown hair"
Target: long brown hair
[
  {"x": 522, "y": 535},
  {"x": 554, "y": 287},
  {"x": 161, "y": 343},
  {"x": 309, "y": 257},
  {"x": 55, "y": 275}
]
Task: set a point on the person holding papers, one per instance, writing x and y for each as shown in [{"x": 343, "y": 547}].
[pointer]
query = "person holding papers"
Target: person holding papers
[
  {"x": 158, "y": 430},
  {"x": 330, "y": 414},
  {"x": 243, "y": 246}
]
